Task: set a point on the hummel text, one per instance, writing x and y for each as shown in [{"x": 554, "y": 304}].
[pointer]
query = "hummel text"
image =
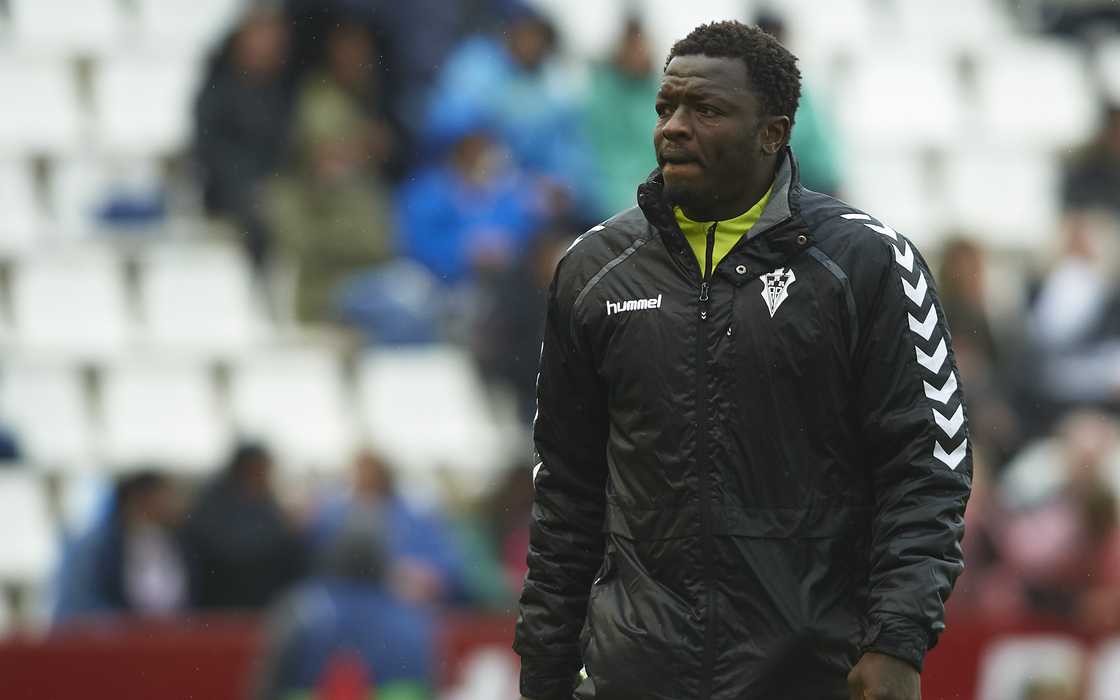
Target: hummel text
[{"x": 617, "y": 307}]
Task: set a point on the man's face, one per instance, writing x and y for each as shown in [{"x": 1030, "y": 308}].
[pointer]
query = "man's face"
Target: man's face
[{"x": 710, "y": 131}]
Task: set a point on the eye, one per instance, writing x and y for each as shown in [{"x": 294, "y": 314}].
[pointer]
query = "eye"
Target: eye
[
  {"x": 662, "y": 108},
  {"x": 706, "y": 110}
]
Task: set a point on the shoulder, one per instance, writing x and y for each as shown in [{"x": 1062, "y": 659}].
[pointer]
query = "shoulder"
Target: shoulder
[
  {"x": 599, "y": 250},
  {"x": 859, "y": 242}
]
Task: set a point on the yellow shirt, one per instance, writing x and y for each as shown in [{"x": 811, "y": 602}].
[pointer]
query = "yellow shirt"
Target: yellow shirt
[{"x": 728, "y": 232}]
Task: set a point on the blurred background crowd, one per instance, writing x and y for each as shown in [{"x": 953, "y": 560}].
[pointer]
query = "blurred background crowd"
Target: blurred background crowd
[{"x": 271, "y": 280}]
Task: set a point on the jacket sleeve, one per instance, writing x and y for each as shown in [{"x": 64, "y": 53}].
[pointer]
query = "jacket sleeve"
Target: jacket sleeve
[
  {"x": 916, "y": 444},
  {"x": 566, "y": 540}
]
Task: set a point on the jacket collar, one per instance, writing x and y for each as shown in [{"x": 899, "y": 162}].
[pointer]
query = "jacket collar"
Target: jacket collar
[{"x": 779, "y": 234}]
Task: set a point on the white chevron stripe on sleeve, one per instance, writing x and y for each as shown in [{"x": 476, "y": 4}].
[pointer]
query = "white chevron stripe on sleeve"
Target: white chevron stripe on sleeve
[
  {"x": 885, "y": 230},
  {"x": 933, "y": 362},
  {"x": 916, "y": 293},
  {"x": 856, "y": 217},
  {"x": 905, "y": 257},
  {"x": 536, "y": 469},
  {"x": 924, "y": 328},
  {"x": 950, "y": 426},
  {"x": 951, "y": 459},
  {"x": 943, "y": 394}
]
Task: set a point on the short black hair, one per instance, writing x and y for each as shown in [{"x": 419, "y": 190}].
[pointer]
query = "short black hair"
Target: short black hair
[{"x": 771, "y": 68}]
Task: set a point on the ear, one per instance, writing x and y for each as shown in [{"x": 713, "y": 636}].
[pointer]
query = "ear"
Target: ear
[{"x": 774, "y": 134}]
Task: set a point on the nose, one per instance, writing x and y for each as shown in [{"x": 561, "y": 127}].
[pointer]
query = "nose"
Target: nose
[{"x": 676, "y": 127}]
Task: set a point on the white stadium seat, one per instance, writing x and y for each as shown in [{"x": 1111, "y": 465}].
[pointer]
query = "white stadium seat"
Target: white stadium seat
[
  {"x": 1104, "y": 671},
  {"x": 47, "y": 407},
  {"x": 199, "y": 299},
  {"x": 70, "y": 304},
  {"x": 895, "y": 187},
  {"x": 1037, "y": 94},
  {"x": 23, "y": 217},
  {"x": 1108, "y": 69},
  {"x": 1007, "y": 197},
  {"x": 41, "y": 112},
  {"x": 67, "y": 26},
  {"x": 1009, "y": 664},
  {"x": 296, "y": 402},
  {"x": 828, "y": 27},
  {"x": 896, "y": 97},
  {"x": 81, "y": 185},
  {"x": 193, "y": 26},
  {"x": 951, "y": 24},
  {"x": 29, "y": 547},
  {"x": 424, "y": 408},
  {"x": 667, "y": 22},
  {"x": 163, "y": 413},
  {"x": 142, "y": 104}
]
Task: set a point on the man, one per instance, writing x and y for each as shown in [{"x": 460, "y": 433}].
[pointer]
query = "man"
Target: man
[{"x": 752, "y": 458}]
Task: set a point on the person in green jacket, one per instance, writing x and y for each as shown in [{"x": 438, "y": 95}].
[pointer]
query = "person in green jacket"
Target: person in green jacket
[{"x": 618, "y": 119}]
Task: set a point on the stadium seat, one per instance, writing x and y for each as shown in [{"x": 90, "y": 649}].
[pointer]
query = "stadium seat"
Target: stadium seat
[
  {"x": 65, "y": 26},
  {"x": 895, "y": 97},
  {"x": 588, "y": 27},
  {"x": 838, "y": 26},
  {"x": 28, "y": 549},
  {"x": 1035, "y": 94},
  {"x": 1010, "y": 663},
  {"x": 1104, "y": 671},
  {"x": 41, "y": 113},
  {"x": 1007, "y": 197},
  {"x": 142, "y": 104},
  {"x": 896, "y": 188},
  {"x": 1108, "y": 69},
  {"x": 296, "y": 402},
  {"x": 191, "y": 27},
  {"x": 425, "y": 409},
  {"x": 199, "y": 299},
  {"x": 82, "y": 185},
  {"x": 23, "y": 217},
  {"x": 46, "y": 405},
  {"x": 70, "y": 303},
  {"x": 667, "y": 22},
  {"x": 950, "y": 25},
  {"x": 165, "y": 414}
]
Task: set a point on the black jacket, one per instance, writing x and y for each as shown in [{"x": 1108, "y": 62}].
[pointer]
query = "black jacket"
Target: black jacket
[{"x": 741, "y": 484}]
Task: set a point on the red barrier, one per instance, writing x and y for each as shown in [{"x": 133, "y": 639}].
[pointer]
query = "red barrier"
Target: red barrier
[
  {"x": 206, "y": 658},
  {"x": 211, "y": 658}
]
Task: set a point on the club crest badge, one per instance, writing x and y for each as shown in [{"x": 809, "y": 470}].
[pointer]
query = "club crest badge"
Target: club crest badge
[{"x": 775, "y": 288}]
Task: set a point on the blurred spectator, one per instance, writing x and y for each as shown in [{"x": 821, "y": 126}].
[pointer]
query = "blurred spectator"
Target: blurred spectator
[
  {"x": 1075, "y": 320},
  {"x": 425, "y": 565},
  {"x": 331, "y": 210},
  {"x": 962, "y": 283},
  {"x": 344, "y": 632},
  {"x": 241, "y": 122},
  {"x": 528, "y": 100},
  {"x": 507, "y": 338},
  {"x": 476, "y": 209},
  {"x": 241, "y": 550},
  {"x": 815, "y": 138},
  {"x": 1092, "y": 175},
  {"x": 129, "y": 561},
  {"x": 1079, "y": 19},
  {"x": 1059, "y": 536},
  {"x": 620, "y": 120}
]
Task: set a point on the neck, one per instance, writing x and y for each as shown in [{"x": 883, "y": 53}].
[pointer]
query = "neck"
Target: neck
[{"x": 724, "y": 209}]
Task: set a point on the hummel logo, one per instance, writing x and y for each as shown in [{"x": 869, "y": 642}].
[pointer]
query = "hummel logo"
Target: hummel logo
[{"x": 617, "y": 307}]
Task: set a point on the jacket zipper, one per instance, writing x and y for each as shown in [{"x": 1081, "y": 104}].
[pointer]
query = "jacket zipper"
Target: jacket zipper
[{"x": 705, "y": 482}]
